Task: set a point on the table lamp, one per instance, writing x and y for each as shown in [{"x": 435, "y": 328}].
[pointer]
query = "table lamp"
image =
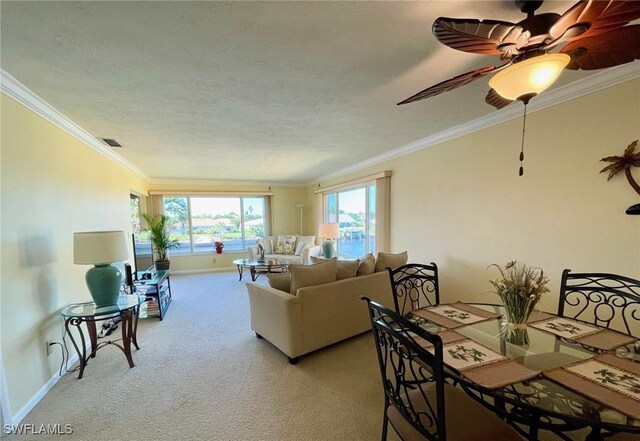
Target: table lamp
[
  {"x": 101, "y": 248},
  {"x": 329, "y": 232}
]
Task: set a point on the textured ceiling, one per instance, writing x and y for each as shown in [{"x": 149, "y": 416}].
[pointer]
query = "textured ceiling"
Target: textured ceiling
[{"x": 265, "y": 91}]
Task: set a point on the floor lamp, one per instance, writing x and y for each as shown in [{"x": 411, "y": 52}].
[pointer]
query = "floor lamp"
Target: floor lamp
[{"x": 301, "y": 207}]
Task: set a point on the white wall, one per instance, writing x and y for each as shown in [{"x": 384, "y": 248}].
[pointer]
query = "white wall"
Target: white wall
[
  {"x": 52, "y": 185},
  {"x": 462, "y": 205}
]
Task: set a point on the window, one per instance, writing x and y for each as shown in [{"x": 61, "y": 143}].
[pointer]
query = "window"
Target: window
[
  {"x": 199, "y": 221},
  {"x": 134, "y": 212},
  {"x": 354, "y": 211}
]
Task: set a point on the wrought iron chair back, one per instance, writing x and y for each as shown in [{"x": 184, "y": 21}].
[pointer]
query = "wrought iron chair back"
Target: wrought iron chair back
[
  {"x": 414, "y": 286},
  {"x": 608, "y": 300},
  {"x": 409, "y": 371}
]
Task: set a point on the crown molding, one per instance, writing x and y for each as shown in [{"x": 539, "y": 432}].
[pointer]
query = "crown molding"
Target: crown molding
[
  {"x": 593, "y": 83},
  {"x": 23, "y": 95},
  {"x": 220, "y": 183}
]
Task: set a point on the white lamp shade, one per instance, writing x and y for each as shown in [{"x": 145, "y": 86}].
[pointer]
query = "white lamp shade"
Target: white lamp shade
[
  {"x": 329, "y": 230},
  {"x": 99, "y": 247},
  {"x": 529, "y": 76}
]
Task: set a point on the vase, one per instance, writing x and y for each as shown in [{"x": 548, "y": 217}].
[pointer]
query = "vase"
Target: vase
[
  {"x": 516, "y": 333},
  {"x": 218, "y": 250},
  {"x": 514, "y": 327}
]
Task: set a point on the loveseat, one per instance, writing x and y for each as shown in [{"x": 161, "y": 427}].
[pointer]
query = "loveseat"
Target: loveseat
[
  {"x": 298, "y": 249},
  {"x": 318, "y": 315}
]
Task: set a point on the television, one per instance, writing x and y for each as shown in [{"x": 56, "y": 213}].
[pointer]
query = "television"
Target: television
[{"x": 142, "y": 252}]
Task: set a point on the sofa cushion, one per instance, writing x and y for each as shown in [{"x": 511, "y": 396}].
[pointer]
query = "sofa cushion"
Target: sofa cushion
[
  {"x": 367, "y": 265},
  {"x": 346, "y": 268},
  {"x": 280, "y": 281},
  {"x": 293, "y": 260},
  {"x": 308, "y": 275},
  {"x": 392, "y": 260},
  {"x": 286, "y": 244}
]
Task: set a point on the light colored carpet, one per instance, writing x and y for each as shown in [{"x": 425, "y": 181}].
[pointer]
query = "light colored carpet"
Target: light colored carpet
[{"x": 201, "y": 374}]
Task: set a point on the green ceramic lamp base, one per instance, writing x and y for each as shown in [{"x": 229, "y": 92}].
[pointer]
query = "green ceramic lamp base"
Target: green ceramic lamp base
[
  {"x": 329, "y": 248},
  {"x": 104, "y": 283}
]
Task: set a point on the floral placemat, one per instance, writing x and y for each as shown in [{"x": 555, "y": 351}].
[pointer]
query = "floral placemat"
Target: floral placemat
[
  {"x": 609, "y": 376},
  {"x": 454, "y": 315},
  {"x": 566, "y": 328},
  {"x": 608, "y": 379},
  {"x": 468, "y": 353}
]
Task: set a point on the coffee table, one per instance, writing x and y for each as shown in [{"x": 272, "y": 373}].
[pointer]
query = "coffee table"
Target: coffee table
[{"x": 261, "y": 266}]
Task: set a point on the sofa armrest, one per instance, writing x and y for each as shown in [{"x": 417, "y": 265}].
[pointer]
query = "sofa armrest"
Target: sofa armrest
[
  {"x": 307, "y": 252},
  {"x": 276, "y": 316}
]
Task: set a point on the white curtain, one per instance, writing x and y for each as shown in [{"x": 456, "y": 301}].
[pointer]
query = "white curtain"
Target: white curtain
[
  {"x": 267, "y": 215},
  {"x": 383, "y": 214}
]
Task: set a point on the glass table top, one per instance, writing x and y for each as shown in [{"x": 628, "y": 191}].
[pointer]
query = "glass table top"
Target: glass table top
[
  {"x": 260, "y": 262},
  {"x": 545, "y": 351},
  {"x": 89, "y": 309}
]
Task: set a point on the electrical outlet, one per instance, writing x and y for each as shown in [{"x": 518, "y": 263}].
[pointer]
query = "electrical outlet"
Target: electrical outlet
[
  {"x": 49, "y": 347},
  {"x": 214, "y": 260}
]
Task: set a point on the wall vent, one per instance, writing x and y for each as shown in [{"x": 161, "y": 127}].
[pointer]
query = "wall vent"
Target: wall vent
[{"x": 111, "y": 142}]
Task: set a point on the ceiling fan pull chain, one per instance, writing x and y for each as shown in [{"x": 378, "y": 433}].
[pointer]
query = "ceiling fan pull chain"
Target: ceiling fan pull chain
[{"x": 524, "y": 127}]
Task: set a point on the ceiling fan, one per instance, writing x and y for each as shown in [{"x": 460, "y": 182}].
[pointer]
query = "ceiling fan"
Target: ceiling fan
[{"x": 595, "y": 35}]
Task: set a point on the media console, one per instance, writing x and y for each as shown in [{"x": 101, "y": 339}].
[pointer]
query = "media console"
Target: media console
[{"x": 156, "y": 287}]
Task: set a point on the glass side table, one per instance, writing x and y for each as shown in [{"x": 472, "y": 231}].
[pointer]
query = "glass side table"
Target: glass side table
[{"x": 127, "y": 309}]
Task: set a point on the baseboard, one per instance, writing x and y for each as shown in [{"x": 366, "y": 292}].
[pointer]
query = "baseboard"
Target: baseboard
[
  {"x": 205, "y": 270},
  {"x": 35, "y": 399}
]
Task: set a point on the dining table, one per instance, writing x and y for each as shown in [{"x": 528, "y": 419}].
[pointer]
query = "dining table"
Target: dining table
[{"x": 557, "y": 374}]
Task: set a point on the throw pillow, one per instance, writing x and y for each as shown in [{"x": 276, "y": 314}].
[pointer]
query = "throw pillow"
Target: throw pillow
[
  {"x": 311, "y": 240},
  {"x": 267, "y": 245},
  {"x": 280, "y": 281},
  {"x": 347, "y": 269},
  {"x": 309, "y": 275},
  {"x": 392, "y": 260},
  {"x": 286, "y": 244},
  {"x": 367, "y": 265},
  {"x": 299, "y": 247}
]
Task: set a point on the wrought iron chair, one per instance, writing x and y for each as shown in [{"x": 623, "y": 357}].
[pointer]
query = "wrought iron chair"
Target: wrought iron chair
[
  {"x": 608, "y": 300},
  {"x": 418, "y": 402},
  {"x": 414, "y": 286}
]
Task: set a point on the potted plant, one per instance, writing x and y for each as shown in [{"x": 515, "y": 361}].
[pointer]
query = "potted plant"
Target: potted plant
[
  {"x": 219, "y": 246},
  {"x": 158, "y": 227}
]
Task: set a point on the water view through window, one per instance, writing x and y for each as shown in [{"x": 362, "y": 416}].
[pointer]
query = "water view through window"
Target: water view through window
[
  {"x": 199, "y": 221},
  {"x": 354, "y": 211}
]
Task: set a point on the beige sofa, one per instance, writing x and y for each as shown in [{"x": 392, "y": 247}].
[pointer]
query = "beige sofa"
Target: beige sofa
[
  {"x": 302, "y": 258},
  {"x": 317, "y": 316}
]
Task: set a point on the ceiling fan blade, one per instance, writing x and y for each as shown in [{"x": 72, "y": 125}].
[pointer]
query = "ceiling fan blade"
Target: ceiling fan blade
[
  {"x": 618, "y": 46},
  {"x": 452, "y": 83},
  {"x": 487, "y": 37},
  {"x": 588, "y": 18},
  {"x": 495, "y": 100}
]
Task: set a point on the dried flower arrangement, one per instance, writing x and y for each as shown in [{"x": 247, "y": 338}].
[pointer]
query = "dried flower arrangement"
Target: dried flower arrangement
[{"x": 520, "y": 290}]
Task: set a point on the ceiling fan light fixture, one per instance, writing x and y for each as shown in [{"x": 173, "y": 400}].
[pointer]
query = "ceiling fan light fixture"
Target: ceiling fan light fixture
[{"x": 529, "y": 77}]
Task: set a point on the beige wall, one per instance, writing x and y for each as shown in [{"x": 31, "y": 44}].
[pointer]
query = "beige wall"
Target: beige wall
[
  {"x": 52, "y": 185},
  {"x": 462, "y": 205},
  {"x": 286, "y": 218}
]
